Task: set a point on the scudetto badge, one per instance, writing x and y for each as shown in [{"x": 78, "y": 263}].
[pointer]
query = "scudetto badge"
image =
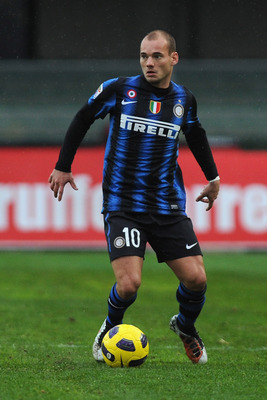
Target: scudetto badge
[
  {"x": 155, "y": 106},
  {"x": 178, "y": 110}
]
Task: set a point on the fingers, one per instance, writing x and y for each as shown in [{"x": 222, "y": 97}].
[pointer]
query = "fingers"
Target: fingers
[
  {"x": 205, "y": 200},
  {"x": 209, "y": 194},
  {"x": 73, "y": 185},
  {"x": 54, "y": 186},
  {"x": 60, "y": 193},
  {"x": 210, "y": 205},
  {"x": 58, "y": 180},
  {"x": 201, "y": 197}
]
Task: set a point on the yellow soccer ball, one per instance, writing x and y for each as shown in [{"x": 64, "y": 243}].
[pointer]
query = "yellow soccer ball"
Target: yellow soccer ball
[{"x": 125, "y": 346}]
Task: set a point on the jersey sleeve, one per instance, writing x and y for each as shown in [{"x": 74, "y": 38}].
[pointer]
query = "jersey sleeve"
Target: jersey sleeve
[
  {"x": 98, "y": 106},
  {"x": 197, "y": 141},
  {"x": 104, "y": 99}
]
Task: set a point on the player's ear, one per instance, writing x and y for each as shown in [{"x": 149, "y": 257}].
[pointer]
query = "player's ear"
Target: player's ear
[{"x": 174, "y": 58}]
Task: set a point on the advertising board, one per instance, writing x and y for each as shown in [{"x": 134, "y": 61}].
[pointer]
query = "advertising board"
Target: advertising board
[{"x": 30, "y": 217}]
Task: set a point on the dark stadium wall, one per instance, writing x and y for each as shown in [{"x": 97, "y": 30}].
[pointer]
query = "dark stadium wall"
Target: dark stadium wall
[
  {"x": 15, "y": 29},
  {"x": 113, "y": 29}
]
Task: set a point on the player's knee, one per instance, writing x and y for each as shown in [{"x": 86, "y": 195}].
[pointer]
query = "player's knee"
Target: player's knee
[
  {"x": 197, "y": 279},
  {"x": 198, "y": 282},
  {"x": 128, "y": 287}
]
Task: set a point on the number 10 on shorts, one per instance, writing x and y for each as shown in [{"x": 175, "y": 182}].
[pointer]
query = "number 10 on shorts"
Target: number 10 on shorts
[{"x": 132, "y": 237}]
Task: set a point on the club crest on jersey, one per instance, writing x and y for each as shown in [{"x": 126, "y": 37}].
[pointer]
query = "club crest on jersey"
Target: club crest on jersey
[
  {"x": 178, "y": 110},
  {"x": 155, "y": 106}
]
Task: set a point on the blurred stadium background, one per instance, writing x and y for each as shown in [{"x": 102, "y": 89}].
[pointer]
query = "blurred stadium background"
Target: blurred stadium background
[{"x": 53, "y": 56}]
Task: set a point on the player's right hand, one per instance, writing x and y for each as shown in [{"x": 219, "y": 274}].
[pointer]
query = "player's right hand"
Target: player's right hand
[{"x": 58, "y": 180}]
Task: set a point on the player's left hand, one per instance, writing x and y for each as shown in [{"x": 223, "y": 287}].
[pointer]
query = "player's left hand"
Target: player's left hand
[{"x": 209, "y": 194}]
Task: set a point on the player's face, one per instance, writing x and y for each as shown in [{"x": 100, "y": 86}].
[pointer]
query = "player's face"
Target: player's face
[{"x": 156, "y": 61}]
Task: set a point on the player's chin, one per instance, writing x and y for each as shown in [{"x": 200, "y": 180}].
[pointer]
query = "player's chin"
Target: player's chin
[{"x": 152, "y": 78}]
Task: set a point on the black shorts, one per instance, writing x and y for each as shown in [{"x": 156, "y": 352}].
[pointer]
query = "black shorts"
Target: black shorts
[{"x": 170, "y": 236}]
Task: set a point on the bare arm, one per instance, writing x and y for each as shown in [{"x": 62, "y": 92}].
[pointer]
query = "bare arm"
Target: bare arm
[{"x": 58, "y": 180}]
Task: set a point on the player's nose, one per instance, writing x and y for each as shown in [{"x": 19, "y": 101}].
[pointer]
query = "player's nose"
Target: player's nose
[{"x": 149, "y": 61}]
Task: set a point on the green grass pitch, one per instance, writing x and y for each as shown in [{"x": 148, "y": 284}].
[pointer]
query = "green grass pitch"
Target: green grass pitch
[{"x": 53, "y": 303}]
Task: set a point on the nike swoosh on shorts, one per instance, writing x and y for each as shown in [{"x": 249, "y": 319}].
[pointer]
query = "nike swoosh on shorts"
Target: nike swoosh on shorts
[{"x": 189, "y": 246}]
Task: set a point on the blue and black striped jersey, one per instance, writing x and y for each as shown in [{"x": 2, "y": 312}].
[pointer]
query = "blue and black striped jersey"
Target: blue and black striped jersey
[{"x": 141, "y": 172}]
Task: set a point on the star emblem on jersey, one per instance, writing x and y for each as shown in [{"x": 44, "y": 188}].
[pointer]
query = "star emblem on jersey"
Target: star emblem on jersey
[{"x": 155, "y": 106}]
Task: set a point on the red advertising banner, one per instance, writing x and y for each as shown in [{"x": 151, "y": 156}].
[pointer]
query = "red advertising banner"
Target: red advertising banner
[{"x": 30, "y": 217}]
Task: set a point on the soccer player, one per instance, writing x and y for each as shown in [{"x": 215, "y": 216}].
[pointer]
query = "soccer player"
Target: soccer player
[{"x": 143, "y": 191}]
